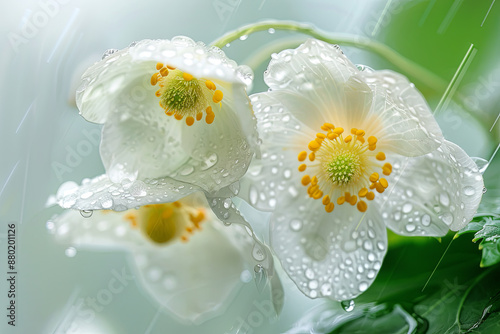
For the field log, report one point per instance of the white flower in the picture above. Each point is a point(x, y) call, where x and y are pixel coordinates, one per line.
point(183, 256)
point(175, 115)
point(346, 153)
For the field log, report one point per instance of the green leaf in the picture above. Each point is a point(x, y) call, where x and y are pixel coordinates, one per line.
point(487, 229)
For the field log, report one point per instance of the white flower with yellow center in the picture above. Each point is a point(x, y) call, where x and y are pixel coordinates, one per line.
point(346, 153)
point(176, 119)
point(183, 256)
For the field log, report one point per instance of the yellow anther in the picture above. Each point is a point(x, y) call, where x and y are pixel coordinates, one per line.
point(159, 65)
point(177, 204)
point(360, 133)
point(372, 186)
point(169, 113)
point(380, 156)
point(379, 188)
point(374, 177)
point(329, 207)
point(217, 96)
point(170, 67)
point(164, 72)
point(158, 93)
point(363, 192)
point(347, 196)
point(324, 128)
point(372, 140)
point(302, 156)
point(372, 147)
point(388, 165)
point(329, 125)
point(209, 110)
point(184, 238)
point(353, 131)
point(319, 140)
point(317, 194)
point(198, 218)
point(353, 200)
point(154, 79)
point(386, 171)
point(189, 120)
point(362, 206)
point(383, 182)
point(178, 116)
point(314, 180)
point(312, 189)
point(312, 156)
point(332, 135)
point(326, 200)
point(361, 139)
point(370, 196)
point(302, 167)
point(321, 135)
point(199, 116)
point(187, 76)
point(306, 179)
point(210, 118)
point(338, 130)
point(313, 145)
point(348, 139)
point(341, 200)
point(210, 85)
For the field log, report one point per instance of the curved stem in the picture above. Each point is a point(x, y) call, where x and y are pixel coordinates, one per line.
point(413, 69)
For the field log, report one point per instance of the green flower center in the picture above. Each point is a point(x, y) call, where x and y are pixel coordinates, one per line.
point(343, 167)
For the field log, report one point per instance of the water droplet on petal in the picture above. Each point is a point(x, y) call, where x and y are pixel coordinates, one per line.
point(295, 225)
point(70, 252)
point(447, 218)
point(244, 37)
point(363, 286)
point(444, 199)
point(469, 191)
point(426, 220)
point(407, 207)
point(347, 305)
point(484, 190)
point(410, 227)
point(86, 213)
point(271, 30)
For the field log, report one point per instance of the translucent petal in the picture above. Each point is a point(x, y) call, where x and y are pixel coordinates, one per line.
point(431, 194)
point(135, 147)
point(220, 153)
point(100, 193)
point(115, 77)
point(335, 255)
point(283, 137)
point(403, 122)
point(192, 280)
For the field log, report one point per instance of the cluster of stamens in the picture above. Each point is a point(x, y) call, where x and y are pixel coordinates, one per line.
point(343, 167)
point(182, 95)
point(163, 223)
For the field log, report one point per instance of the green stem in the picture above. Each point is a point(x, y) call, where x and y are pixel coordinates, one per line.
point(411, 68)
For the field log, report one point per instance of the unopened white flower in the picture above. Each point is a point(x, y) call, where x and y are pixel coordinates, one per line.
point(183, 256)
point(175, 115)
point(346, 153)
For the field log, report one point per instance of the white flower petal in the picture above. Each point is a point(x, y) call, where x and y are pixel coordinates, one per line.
point(335, 254)
point(192, 280)
point(220, 153)
point(133, 148)
point(195, 280)
point(404, 122)
point(283, 138)
point(100, 193)
point(431, 194)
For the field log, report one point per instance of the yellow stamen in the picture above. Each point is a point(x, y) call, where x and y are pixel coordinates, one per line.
point(362, 206)
point(363, 192)
point(187, 76)
point(348, 139)
point(329, 207)
point(210, 118)
point(360, 133)
point(170, 67)
point(353, 200)
point(372, 140)
point(338, 130)
point(379, 188)
point(380, 156)
point(314, 180)
point(302, 167)
point(306, 179)
point(384, 182)
point(374, 177)
point(353, 131)
point(217, 96)
point(210, 85)
point(302, 156)
point(370, 196)
point(199, 116)
point(312, 156)
point(326, 200)
point(178, 117)
point(164, 72)
point(341, 200)
point(313, 145)
point(159, 66)
point(154, 79)
point(189, 120)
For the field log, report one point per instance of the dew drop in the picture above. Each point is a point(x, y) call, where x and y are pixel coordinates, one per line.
point(309, 273)
point(447, 218)
point(254, 196)
point(86, 213)
point(271, 30)
point(258, 268)
point(484, 190)
point(106, 204)
point(227, 203)
point(407, 207)
point(244, 37)
point(469, 191)
point(86, 195)
point(70, 252)
point(257, 253)
point(363, 286)
point(295, 225)
point(481, 164)
point(444, 199)
point(426, 220)
point(410, 227)
point(347, 305)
